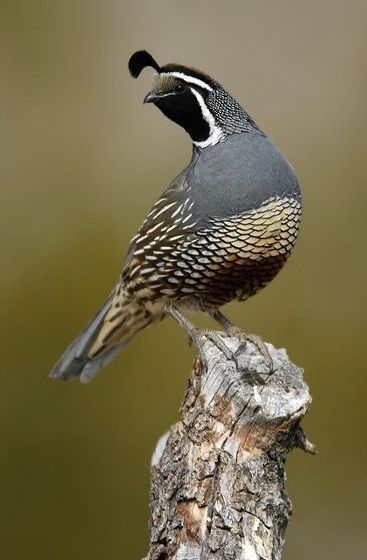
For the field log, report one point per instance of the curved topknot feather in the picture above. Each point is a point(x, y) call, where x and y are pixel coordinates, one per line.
point(139, 61)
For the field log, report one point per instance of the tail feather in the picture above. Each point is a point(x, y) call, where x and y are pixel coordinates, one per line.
point(76, 360)
point(93, 365)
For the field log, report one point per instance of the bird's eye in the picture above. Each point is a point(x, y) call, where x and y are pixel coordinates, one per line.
point(180, 88)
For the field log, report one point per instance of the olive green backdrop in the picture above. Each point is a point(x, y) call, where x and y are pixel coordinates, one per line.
point(81, 162)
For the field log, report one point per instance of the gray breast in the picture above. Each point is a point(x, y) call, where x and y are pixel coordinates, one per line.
point(238, 175)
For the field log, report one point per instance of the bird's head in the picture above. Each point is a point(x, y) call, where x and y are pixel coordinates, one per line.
point(193, 100)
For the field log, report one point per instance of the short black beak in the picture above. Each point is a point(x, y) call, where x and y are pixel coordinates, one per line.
point(150, 97)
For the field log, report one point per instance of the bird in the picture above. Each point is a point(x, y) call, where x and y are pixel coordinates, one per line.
point(220, 232)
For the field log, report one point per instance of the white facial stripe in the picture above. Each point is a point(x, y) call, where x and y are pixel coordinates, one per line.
point(188, 79)
point(215, 133)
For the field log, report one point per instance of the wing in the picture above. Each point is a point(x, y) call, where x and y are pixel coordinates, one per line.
point(167, 228)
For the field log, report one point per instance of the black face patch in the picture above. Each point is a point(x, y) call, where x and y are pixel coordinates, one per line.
point(183, 108)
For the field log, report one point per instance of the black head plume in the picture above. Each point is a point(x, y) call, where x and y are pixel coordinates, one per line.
point(139, 61)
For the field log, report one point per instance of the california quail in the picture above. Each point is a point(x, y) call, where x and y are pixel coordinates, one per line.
point(221, 231)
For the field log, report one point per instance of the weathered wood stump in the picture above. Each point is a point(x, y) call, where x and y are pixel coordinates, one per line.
point(218, 481)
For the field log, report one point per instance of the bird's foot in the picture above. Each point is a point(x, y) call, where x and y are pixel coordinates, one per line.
point(234, 331)
point(198, 337)
point(256, 341)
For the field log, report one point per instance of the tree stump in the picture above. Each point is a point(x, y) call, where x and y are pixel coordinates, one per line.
point(218, 481)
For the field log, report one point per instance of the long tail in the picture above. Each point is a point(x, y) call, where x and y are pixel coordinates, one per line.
point(110, 330)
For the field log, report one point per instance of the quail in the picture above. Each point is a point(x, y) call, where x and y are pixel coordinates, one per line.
point(220, 232)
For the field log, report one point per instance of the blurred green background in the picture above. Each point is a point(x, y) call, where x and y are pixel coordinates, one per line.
point(81, 162)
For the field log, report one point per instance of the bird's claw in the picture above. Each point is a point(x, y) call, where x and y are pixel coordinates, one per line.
point(244, 338)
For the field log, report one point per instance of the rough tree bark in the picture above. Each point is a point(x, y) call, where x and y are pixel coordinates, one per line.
point(218, 481)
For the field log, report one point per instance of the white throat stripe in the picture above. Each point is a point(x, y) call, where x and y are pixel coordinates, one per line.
point(188, 79)
point(215, 132)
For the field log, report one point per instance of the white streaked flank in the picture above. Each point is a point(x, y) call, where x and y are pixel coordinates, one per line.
point(176, 237)
point(188, 226)
point(177, 211)
point(164, 209)
point(140, 238)
point(135, 270)
point(150, 230)
point(186, 218)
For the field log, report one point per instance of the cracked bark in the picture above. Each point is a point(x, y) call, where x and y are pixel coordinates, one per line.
point(218, 481)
